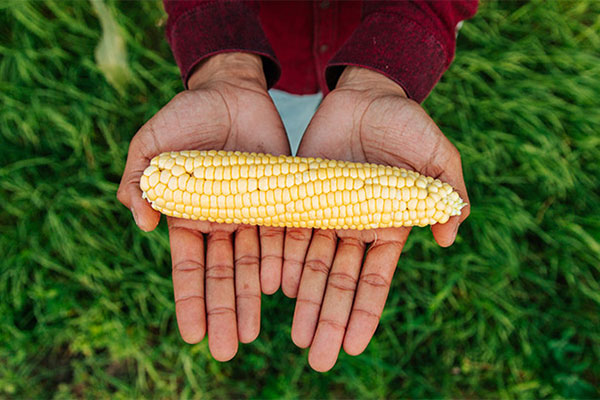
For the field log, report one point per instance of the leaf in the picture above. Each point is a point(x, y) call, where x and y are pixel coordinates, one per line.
point(111, 52)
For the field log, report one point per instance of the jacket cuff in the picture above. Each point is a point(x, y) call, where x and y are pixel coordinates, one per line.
point(400, 48)
point(219, 27)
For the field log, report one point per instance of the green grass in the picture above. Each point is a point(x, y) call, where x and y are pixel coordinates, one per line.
point(511, 310)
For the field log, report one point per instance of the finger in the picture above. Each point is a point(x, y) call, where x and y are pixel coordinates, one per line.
point(312, 286)
point(294, 253)
point(337, 304)
point(187, 255)
point(129, 192)
point(373, 288)
point(445, 234)
point(271, 248)
point(247, 283)
point(220, 296)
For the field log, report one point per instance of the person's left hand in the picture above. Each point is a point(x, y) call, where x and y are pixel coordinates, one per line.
point(367, 118)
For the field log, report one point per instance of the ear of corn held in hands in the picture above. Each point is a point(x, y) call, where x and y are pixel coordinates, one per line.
point(262, 189)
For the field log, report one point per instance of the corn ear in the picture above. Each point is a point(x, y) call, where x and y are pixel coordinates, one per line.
point(285, 191)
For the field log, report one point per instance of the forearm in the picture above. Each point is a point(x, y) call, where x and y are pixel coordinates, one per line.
point(241, 69)
point(197, 30)
point(412, 43)
point(359, 78)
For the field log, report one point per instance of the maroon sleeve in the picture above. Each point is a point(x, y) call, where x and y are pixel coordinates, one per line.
point(198, 29)
point(411, 42)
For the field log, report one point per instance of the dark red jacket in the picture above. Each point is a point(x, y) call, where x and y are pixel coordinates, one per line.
point(305, 45)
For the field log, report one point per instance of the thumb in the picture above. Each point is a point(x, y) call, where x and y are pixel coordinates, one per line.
point(130, 194)
point(445, 234)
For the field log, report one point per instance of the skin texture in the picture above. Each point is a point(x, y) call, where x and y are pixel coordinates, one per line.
point(218, 269)
point(340, 297)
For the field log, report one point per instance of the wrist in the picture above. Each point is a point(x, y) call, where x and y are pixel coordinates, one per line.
point(243, 69)
point(359, 78)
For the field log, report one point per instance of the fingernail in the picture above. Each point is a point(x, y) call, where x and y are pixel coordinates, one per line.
point(135, 217)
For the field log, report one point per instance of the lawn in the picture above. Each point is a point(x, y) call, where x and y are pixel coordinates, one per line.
point(511, 310)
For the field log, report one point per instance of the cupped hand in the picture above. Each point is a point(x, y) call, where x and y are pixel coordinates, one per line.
point(340, 297)
point(218, 269)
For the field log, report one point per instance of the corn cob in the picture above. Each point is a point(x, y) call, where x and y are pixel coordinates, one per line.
point(262, 189)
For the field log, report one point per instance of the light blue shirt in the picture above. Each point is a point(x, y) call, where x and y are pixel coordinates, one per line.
point(296, 111)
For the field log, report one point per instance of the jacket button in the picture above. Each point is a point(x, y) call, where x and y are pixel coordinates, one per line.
point(323, 48)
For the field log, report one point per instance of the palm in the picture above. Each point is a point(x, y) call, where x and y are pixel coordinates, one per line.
point(218, 281)
point(365, 127)
point(345, 138)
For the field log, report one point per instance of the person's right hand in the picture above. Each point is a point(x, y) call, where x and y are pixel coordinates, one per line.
point(227, 107)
